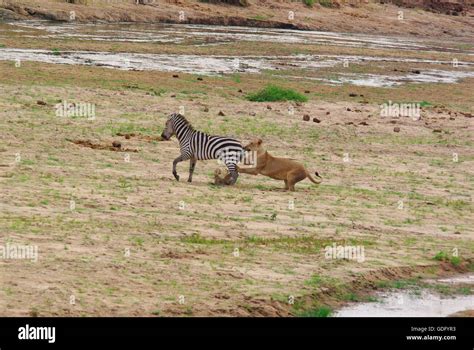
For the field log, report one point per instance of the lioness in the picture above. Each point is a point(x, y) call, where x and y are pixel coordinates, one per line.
point(276, 168)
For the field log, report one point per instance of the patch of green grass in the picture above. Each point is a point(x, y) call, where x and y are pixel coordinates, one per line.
point(322, 311)
point(236, 77)
point(455, 260)
point(259, 17)
point(325, 3)
point(441, 256)
point(309, 3)
point(56, 52)
point(272, 93)
point(425, 104)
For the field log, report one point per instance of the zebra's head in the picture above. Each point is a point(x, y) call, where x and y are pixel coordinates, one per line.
point(169, 129)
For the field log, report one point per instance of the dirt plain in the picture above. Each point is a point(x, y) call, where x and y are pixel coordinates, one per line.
point(139, 243)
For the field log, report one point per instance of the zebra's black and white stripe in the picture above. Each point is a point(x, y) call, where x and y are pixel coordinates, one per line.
point(196, 145)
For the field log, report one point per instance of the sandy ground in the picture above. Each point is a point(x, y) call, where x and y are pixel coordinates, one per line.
point(117, 235)
point(363, 18)
point(137, 241)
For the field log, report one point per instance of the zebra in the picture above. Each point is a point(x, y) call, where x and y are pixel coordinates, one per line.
point(196, 145)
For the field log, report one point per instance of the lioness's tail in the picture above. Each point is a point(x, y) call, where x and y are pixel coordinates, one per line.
point(312, 179)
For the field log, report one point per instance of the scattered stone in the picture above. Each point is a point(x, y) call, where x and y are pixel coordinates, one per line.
point(316, 120)
point(269, 107)
point(206, 109)
point(41, 103)
point(352, 94)
point(457, 233)
point(173, 95)
point(253, 114)
point(396, 129)
point(221, 114)
point(306, 117)
point(117, 144)
point(307, 91)
point(175, 76)
point(416, 71)
point(327, 113)
point(363, 123)
point(348, 109)
point(240, 90)
point(199, 78)
point(437, 130)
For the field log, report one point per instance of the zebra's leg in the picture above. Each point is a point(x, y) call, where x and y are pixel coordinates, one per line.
point(234, 174)
point(192, 165)
point(175, 162)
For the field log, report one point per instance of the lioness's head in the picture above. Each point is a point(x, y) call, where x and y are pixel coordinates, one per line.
point(254, 145)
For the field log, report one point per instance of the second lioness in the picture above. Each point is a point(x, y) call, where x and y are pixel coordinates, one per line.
point(284, 169)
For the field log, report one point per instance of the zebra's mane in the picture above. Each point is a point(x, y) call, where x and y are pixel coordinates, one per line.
point(186, 122)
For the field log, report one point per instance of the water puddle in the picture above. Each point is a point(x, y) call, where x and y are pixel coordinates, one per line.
point(413, 303)
point(216, 65)
point(205, 34)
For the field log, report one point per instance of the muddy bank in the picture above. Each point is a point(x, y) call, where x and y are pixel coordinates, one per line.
point(366, 18)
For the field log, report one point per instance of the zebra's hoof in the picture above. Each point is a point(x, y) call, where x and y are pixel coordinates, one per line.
point(190, 180)
point(176, 176)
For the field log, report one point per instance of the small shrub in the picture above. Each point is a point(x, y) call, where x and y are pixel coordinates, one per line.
point(273, 93)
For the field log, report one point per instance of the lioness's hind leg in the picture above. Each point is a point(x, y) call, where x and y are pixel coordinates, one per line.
point(293, 178)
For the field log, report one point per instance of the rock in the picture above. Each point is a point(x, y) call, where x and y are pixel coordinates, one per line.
point(316, 120)
point(306, 117)
point(437, 130)
point(396, 129)
point(327, 113)
point(307, 91)
point(199, 78)
point(206, 109)
point(173, 95)
point(363, 123)
point(352, 94)
point(253, 114)
point(117, 144)
point(416, 71)
point(221, 114)
point(348, 109)
point(240, 90)
point(175, 76)
point(41, 103)
point(269, 107)
point(457, 233)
